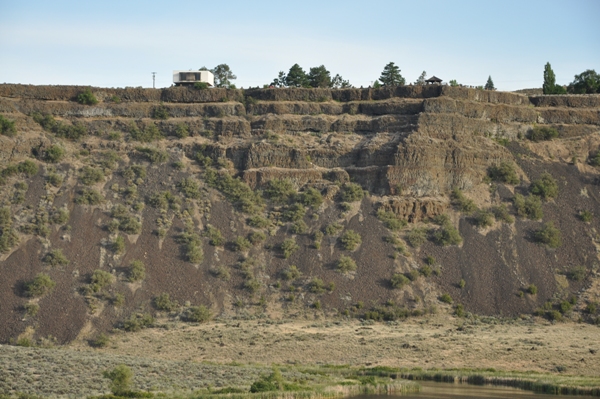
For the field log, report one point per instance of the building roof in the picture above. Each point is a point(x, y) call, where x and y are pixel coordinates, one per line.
point(434, 79)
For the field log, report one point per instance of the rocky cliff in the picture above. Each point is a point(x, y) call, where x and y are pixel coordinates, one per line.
point(290, 202)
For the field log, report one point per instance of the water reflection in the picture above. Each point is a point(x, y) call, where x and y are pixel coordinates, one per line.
point(441, 390)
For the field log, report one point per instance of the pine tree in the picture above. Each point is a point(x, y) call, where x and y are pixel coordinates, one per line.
point(319, 77)
point(391, 76)
point(490, 84)
point(296, 77)
point(421, 79)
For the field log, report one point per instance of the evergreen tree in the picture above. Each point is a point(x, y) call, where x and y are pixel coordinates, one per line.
point(319, 77)
point(391, 76)
point(296, 77)
point(421, 79)
point(280, 80)
point(549, 79)
point(339, 83)
point(490, 84)
point(453, 83)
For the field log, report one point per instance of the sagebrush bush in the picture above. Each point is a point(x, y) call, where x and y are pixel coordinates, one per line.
point(196, 314)
point(118, 245)
point(532, 289)
point(352, 192)
point(548, 235)
point(529, 207)
point(235, 190)
point(504, 172)
point(241, 244)
point(87, 97)
point(182, 131)
point(100, 279)
point(153, 155)
point(189, 187)
point(294, 213)
point(222, 273)
point(146, 134)
point(160, 112)
point(577, 273)
point(280, 190)
point(163, 302)
point(502, 214)
point(138, 321)
point(41, 285)
point(215, 238)
point(482, 218)
point(258, 222)
point(311, 197)
point(446, 298)
point(447, 235)
point(291, 273)
point(53, 153)
point(137, 271)
point(346, 264)
point(465, 204)
point(417, 237)
point(350, 240)
point(316, 286)
point(192, 246)
point(55, 258)
point(545, 187)
point(586, 216)
point(333, 229)
point(399, 280)
point(288, 247)
point(299, 227)
point(390, 220)
point(89, 196)
point(70, 132)
point(7, 127)
point(130, 225)
point(542, 133)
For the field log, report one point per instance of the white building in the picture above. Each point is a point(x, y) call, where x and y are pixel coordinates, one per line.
point(183, 78)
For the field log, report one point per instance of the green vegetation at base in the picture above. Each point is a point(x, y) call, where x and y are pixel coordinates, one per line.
point(545, 187)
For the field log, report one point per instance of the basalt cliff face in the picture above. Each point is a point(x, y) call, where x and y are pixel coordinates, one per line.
point(220, 192)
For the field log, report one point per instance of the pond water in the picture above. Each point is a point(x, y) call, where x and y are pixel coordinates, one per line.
point(441, 390)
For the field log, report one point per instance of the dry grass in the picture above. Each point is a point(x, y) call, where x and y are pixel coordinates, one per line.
point(438, 341)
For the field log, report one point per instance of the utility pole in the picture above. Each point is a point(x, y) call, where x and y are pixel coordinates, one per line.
point(153, 80)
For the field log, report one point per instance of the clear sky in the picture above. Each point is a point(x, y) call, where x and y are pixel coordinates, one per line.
point(113, 43)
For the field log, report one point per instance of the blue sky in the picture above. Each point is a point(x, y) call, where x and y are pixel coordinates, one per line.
point(119, 43)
